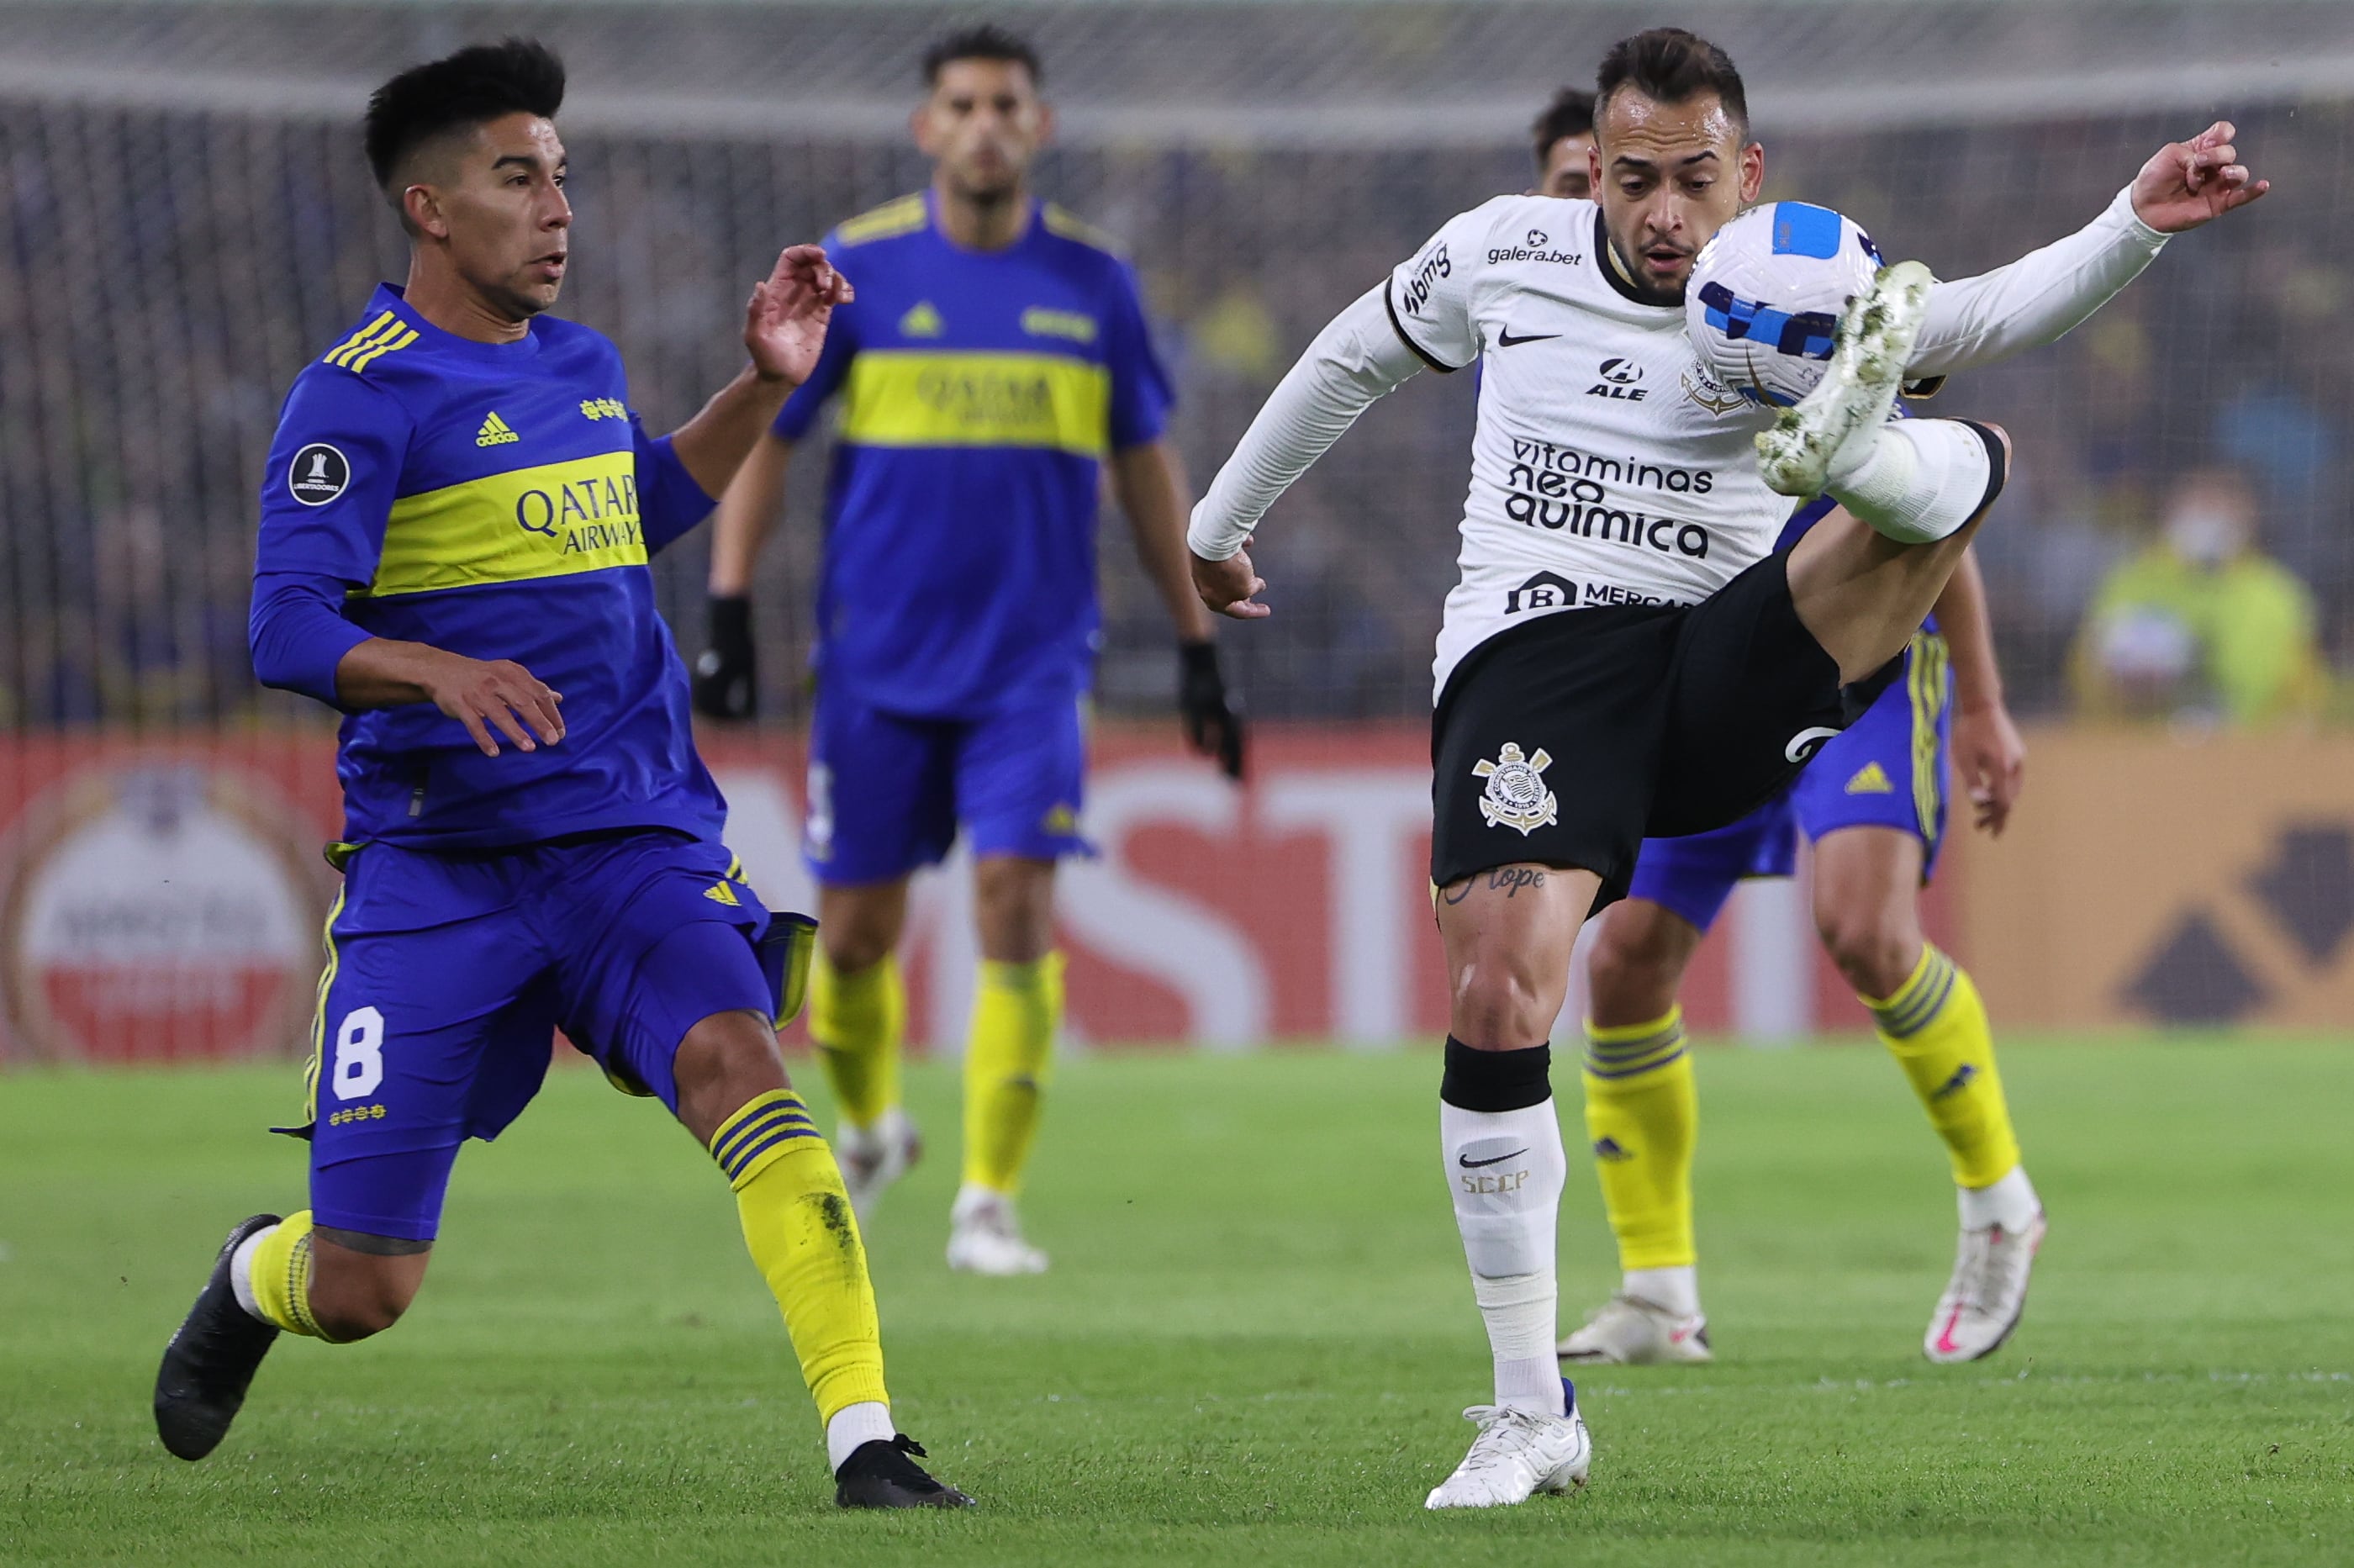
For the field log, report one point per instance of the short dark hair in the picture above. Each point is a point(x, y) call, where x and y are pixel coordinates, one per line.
point(471, 87)
point(1672, 65)
point(986, 42)
point(1570, 114)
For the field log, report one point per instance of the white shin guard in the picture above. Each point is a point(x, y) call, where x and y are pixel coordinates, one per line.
point(1506, 1171)
point(1917, 481)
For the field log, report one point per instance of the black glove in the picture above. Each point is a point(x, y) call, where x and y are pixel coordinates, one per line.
point(1214, 721)
point(724, 686)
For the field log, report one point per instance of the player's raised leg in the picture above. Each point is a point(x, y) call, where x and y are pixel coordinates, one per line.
point(1508, 933)
point(1642, 1117)
point(1929, 1015)
point(1016, 1008)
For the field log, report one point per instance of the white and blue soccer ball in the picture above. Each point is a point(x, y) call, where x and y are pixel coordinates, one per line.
point(1765, 296)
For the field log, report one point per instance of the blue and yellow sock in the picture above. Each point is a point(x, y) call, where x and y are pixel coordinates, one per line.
point(857, 1021)
point(1935, 1026)
point(1015, 1016)
point(805, 1241)
point(1642, 1111)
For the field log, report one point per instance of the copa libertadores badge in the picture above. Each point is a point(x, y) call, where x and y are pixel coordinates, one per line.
point(1516, 797)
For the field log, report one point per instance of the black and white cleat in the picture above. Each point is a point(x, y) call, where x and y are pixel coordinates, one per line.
point(210, 1362)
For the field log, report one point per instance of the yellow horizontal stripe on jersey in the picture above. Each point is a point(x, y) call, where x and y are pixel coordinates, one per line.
point(550, 521)
point(924, 399)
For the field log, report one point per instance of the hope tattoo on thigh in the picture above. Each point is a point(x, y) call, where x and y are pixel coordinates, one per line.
point(1509, 879)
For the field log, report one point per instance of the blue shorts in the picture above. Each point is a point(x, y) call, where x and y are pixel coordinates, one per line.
point(888, 792)
point(1887, 770)
point(448, 975)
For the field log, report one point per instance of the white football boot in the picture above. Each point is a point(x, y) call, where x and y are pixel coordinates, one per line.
point(872, 1158)
point(1988, 1294)
point(1517, 1455)
point(1628, 1331)
point(985, 1235)
point(1873, 343)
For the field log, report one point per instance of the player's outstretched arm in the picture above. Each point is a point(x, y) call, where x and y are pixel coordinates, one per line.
point(1352, 362)
point(2046, 294)
point(1989, 757)
point(784, 332)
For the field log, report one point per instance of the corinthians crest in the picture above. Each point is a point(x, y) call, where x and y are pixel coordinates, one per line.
point(1516, 795)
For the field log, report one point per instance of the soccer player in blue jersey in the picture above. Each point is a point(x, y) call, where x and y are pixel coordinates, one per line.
point(995, 364)
point(456, 520)
point(1872, 801)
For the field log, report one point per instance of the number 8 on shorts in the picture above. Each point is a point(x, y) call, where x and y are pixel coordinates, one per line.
point(360, 1054)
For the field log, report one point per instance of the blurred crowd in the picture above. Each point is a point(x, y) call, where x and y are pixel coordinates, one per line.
point(2174, 547)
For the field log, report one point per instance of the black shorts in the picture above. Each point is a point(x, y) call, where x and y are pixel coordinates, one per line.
point(1570, 740)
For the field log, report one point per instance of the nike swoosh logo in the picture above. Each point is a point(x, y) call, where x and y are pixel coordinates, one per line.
point(1807, 742)
point(1505, 339)
point(1469, 1163)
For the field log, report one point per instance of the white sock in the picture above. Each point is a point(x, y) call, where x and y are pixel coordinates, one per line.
point(1506, 1171)
point(2010, 1203)
point(241, 1272)
point(1915, 479)
point(1677, 1289)
point(853, 1426)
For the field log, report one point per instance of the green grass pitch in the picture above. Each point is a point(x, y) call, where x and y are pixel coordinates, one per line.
point(1252, 1347)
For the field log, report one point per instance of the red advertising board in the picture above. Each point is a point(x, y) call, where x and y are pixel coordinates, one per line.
point(160, 898)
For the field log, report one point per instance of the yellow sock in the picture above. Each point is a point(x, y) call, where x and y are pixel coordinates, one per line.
point(804, 1239)
point(280, 1276)
point(857, 1021)
point(1935, 1026)
point(1642, 1112)
point(1015, 1014)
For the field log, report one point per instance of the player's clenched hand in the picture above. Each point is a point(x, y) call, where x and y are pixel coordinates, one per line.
point(1991, 759)
point(785, 322)
point(1227, 585)
point(486, 694)
point(2186, 184)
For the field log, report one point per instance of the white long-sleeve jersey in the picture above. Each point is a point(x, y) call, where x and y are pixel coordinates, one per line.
point(1607, 467)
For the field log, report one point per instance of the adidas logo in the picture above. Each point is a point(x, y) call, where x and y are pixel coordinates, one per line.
point(1871, 780)
point(720, 893)
point(922, 321)
point(494, 432)
point(1958, 1082)
point(1607, 1148)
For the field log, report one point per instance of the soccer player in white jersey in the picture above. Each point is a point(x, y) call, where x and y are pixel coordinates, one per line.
point(1623, 653)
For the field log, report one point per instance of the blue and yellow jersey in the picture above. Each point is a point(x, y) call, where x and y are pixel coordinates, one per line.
point(497, 500)
point(979, 392)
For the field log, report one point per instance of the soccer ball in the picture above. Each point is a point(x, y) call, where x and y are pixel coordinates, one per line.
point(1765, 296)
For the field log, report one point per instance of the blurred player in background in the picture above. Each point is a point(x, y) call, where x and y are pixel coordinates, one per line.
point(456, 519)
point(996, 362)
point(1564, 135)
point(1872, 801)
